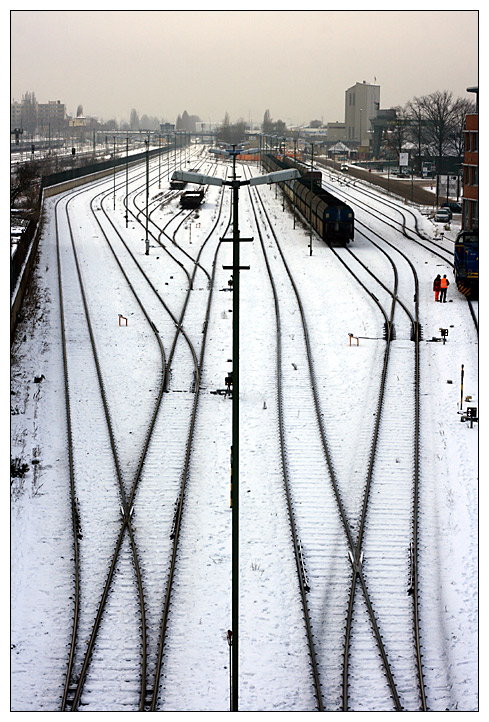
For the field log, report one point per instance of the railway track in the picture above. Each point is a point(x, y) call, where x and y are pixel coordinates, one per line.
point(443, 251)
point(78, 668)
point(81, 522)
point(357, 595)
point(353, 546)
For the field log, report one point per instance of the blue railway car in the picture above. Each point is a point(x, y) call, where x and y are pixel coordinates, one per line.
point(466, 258)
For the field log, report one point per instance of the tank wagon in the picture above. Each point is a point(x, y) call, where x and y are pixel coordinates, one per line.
point(466, 261)
point(331, 218)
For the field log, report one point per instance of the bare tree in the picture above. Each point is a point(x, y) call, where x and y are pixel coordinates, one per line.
point(23, 181)
point(232, 133)
point(463, 107)
point(134, 120)
point(29, 112)
point(417, 130)
point(399, 130)
point(440, 112)
point(273, 127)
point(267, 125)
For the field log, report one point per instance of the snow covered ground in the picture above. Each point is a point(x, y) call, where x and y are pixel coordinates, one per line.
point(274, 659)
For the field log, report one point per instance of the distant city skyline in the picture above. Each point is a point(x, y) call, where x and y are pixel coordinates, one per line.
point(298, 64)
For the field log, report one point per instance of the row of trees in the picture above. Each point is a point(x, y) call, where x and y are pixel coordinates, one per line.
point(187, 122)
point(432, 124)
point(234, 133)
point(273, 127)
point(150, 122)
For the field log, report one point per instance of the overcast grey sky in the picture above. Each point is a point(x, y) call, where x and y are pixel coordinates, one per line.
point(296, 63)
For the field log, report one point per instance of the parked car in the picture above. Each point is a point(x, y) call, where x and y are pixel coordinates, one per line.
point(343, 166)
point(443, 215)
point(454, 207)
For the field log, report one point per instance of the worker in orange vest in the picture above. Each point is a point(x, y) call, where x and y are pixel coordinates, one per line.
point(444, 283)
point(436, 286)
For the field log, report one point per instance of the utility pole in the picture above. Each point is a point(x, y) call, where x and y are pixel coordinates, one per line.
point(114, 172)
point(127, 178)
point(295, 166)
point(147, 195)
point(310, 216)
point(277, 177)
point(235, 441)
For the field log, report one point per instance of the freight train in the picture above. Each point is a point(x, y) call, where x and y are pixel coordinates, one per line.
point(466, 261)
point(331, 218)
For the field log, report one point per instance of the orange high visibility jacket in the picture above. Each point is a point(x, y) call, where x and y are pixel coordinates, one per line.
point(444, 283)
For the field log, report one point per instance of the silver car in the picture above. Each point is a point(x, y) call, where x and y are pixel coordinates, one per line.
point(443, 216)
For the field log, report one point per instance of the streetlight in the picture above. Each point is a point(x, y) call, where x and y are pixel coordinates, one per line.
point(360, 147)
point(147, 196)
point(127, 179)
point(310, 218)
point(114, 172)
point(235, 184)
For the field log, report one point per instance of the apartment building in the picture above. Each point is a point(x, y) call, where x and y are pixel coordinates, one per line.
point(33, 117)
point(470, 209)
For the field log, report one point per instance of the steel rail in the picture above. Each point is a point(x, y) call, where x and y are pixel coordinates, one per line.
point(416, 481)
point(326, 451)
point(185, 471)
point(126, 505)
point(285, 476)
point(126, 521)
point(75, 515)
point(416, 339)
point(449, 261)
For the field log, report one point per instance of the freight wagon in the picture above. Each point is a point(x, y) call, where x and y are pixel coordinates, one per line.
point(331, 218)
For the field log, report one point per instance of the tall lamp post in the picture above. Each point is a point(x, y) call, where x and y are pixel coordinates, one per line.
point(360, 146)
point(114, 172)
point(147, 196)
point(127, 178)
point(310, 218)
point(235, 184)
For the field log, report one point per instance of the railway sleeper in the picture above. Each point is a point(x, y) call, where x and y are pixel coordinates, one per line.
point(416, 327)
point(70, 695)
point(410, 589)
point(175, 518)
point(392, 331)
point(305, 581)
point(148, 699)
